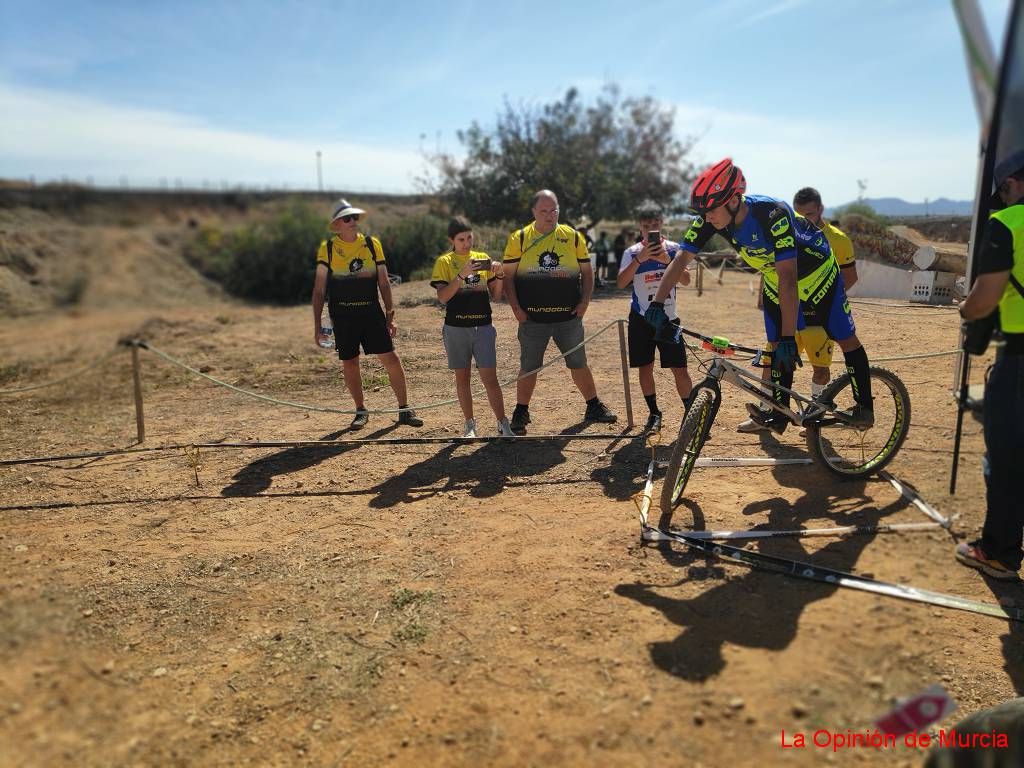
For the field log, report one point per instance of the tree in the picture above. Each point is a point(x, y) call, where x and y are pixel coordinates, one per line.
point(600, 159)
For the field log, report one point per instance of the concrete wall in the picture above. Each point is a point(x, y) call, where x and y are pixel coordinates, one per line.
point(880, 281)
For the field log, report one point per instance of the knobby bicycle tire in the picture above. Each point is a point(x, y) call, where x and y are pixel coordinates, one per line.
point(692, 433)
point(884, 385)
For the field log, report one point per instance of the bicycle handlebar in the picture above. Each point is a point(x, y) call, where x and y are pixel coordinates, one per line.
point(718, 344)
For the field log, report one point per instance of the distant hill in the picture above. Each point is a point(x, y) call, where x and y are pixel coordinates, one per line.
point(894, 206)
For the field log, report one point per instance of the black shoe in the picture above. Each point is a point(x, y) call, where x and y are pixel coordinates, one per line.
point(756, 411)
point(362, 416)
point(520, 418)
point(408, 417)
point(598, 411)
point(653, 423)
point(859, 417)
point(773, 420)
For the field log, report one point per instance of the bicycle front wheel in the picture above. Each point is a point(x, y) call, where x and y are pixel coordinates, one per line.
point(853, 453)
point(692, 433)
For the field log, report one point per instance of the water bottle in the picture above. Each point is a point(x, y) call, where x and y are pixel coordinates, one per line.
point(326, 332)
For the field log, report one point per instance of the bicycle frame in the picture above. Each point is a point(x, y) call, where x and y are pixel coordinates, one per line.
point(808, 410)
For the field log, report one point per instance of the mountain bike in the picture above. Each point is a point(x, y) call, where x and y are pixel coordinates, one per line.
point(833, 442)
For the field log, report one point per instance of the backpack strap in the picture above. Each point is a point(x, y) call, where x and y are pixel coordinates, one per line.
point(369, 246)
point(330, 251)
point(1017, 285)
point(522, 241)
point(576, 242)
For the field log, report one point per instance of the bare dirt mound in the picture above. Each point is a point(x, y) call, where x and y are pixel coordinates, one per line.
point(49, 261)
point(451, 605)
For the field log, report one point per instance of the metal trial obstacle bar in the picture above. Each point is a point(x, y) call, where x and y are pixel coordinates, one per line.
point(704, 542)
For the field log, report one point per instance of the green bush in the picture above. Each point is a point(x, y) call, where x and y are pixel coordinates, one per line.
point(274, 261)
point(270, 262)
point(414, 242)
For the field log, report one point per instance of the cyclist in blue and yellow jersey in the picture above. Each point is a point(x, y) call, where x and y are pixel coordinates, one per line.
point(549, 282)
point(813, 340)
point(801, 279)
point(350, 274)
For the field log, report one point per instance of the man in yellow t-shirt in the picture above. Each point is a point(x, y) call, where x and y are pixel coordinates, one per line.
point(549, 281)
point(350, 272)
point(813, 340)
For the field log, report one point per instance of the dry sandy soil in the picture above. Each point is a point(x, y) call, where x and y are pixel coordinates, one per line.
point(485, 604)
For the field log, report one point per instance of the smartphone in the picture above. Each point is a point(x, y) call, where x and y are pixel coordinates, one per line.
point(481, 264)
point(653, 237)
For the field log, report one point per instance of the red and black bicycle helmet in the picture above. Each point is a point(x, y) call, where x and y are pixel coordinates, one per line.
point(717, 185)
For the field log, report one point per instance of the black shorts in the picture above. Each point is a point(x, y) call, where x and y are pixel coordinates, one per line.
point(366, 329)
point(642, 344)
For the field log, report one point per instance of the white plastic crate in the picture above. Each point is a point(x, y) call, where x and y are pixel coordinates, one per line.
point(929, 287)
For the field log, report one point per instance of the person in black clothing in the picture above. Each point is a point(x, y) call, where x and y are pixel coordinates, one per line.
point(1000, 284)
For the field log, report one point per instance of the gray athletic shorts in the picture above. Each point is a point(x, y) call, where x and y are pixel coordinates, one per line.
point(534, 337)
point(464, 345)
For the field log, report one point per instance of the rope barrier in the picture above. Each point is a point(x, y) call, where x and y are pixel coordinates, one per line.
point(905, 305)
point(324, 409)
point(922, 356)
point(250, 444)
point(77, 372)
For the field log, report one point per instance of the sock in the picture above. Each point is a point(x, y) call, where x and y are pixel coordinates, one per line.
point(652, 403)
point(521, 407)
point(857, 367)
point(592, 402)
point(785, 380)
point(817, 389)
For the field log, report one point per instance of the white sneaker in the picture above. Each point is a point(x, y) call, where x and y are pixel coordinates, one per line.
point(505, 429)
point(470, 430)
point(751, 426)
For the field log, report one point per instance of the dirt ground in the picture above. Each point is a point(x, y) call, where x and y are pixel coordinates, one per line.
point(485, 604)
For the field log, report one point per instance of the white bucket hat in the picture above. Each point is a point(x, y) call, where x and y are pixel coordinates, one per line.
point(344, 208)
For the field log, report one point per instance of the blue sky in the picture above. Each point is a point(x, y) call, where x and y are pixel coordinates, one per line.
point(820, 92)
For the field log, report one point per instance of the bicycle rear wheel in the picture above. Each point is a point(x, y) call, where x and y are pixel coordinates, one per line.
point(851, 453)
point(692, 433)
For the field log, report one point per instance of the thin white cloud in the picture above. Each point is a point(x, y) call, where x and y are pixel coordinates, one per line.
point(50, 134)
point(781, 154)
point(772, 10)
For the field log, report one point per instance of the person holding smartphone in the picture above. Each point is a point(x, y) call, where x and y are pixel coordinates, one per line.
point(642, 266)
point(466, 281)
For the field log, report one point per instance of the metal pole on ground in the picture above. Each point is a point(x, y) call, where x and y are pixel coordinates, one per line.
point(140, 422)
point(625, 374)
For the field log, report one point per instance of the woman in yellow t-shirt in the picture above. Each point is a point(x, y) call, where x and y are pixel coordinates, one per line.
point(466, 281)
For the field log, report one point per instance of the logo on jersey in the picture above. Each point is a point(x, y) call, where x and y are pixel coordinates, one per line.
point(473, 279)
point(780, 226)
point(355, 265)
point(548, 261)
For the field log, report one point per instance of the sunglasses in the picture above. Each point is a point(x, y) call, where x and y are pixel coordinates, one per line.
point(351, 217)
